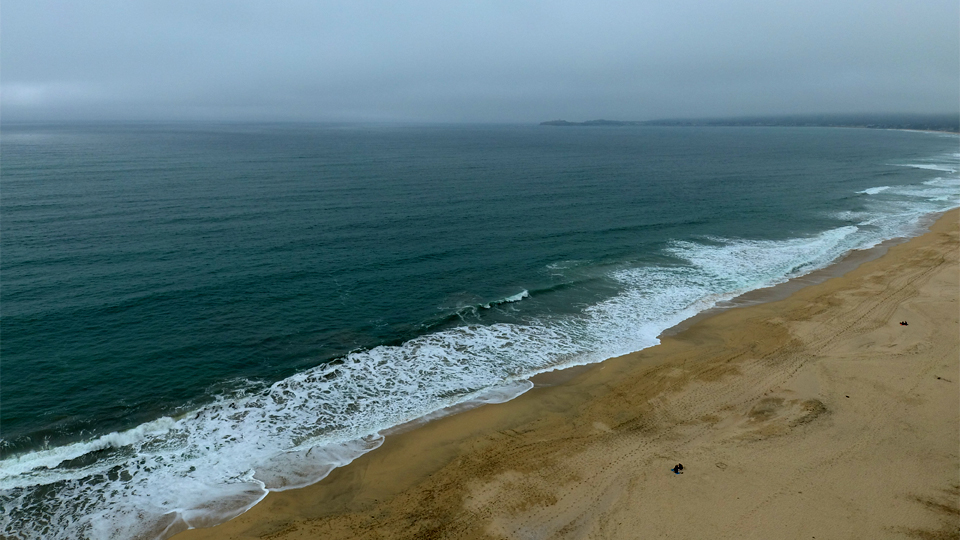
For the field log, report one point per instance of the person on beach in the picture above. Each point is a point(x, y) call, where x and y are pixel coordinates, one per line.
point(677, 469)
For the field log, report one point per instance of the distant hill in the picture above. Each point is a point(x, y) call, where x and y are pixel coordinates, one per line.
point(931, 122)
point(592, 123)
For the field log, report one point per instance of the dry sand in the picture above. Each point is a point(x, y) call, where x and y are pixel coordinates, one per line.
point(817, 416)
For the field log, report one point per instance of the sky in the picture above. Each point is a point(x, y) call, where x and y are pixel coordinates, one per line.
point(471, 61)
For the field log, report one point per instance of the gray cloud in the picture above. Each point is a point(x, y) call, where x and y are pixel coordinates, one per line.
point(494, 61)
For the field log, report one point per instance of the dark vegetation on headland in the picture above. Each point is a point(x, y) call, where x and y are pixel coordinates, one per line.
point(931, 122)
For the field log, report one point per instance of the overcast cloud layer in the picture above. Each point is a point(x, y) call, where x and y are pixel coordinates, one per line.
point(495, 61)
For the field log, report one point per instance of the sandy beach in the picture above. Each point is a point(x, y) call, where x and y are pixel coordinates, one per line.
point(815, 416)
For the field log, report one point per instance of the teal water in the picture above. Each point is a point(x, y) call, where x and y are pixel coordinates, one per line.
point(193, 315)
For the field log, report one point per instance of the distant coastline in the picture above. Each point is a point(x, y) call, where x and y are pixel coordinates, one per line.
point(949, 123)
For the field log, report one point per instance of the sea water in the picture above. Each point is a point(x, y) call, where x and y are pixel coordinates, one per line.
point(194, 315)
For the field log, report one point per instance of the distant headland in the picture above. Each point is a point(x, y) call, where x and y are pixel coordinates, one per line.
point(925, 122)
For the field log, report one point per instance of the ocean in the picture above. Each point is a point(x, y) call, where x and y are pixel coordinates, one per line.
point(196, 314)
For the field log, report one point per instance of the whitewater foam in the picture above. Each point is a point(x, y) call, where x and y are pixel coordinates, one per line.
point(930, 167)
point(874, 190)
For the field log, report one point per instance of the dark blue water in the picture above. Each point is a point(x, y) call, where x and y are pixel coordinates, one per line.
point(332, 281)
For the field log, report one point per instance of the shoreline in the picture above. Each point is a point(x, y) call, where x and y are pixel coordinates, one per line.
point(410, 464)
point(845, 264)
point(781, 291)
point(929, 131)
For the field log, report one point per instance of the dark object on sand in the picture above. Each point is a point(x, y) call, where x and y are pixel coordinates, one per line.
point(903, 323)
point(677, 469)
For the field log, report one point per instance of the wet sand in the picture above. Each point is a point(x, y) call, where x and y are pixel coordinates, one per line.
point(814, 416)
